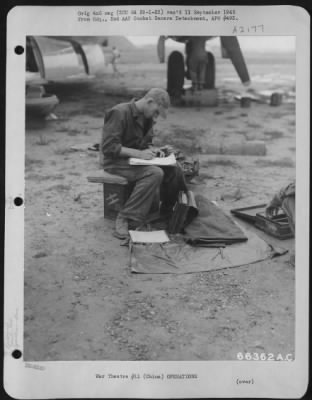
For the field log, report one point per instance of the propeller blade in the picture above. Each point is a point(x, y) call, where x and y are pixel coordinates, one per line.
point(233, 51)
point(161, 48)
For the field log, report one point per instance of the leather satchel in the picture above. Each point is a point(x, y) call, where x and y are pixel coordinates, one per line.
point(185, 210)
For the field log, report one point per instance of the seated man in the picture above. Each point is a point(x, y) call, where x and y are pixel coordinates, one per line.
point(128, 132)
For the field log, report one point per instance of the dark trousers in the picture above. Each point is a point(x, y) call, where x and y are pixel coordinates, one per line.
point(197, 68)
point(152, 185)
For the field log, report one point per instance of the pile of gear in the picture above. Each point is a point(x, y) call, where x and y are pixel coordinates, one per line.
point(189, 166)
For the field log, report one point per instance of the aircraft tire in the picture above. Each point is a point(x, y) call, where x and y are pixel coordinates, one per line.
point(210, 72)
point(175, 74)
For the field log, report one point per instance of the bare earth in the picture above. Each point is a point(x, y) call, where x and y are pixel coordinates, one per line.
point(81, 300)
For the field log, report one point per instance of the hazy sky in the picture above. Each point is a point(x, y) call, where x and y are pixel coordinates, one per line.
point(261, 43)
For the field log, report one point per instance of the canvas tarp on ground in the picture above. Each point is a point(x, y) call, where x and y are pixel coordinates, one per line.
point(181, 258)
point(211, 225)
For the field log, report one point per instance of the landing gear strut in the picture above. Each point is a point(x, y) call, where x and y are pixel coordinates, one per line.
point(210, 77)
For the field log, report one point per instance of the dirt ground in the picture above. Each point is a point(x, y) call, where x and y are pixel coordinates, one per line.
point(81, 300)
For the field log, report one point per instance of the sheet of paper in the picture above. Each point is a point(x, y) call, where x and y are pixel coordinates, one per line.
point(77, 322)
point(149, 237)
point(161, 161)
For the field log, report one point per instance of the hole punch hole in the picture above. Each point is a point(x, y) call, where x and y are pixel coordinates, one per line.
point(18, 201)
point(19, 50)
point(16, 354)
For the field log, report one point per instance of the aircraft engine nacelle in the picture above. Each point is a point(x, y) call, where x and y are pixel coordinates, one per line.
point(56, 59)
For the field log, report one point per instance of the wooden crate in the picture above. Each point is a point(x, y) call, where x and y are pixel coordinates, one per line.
point(203, 98)
point(116, 191)
point(115, 196)
point(277, 226)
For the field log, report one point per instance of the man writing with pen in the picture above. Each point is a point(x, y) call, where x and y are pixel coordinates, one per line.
point(128, 132)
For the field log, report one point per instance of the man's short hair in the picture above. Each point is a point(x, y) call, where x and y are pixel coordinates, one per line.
point(161, 97)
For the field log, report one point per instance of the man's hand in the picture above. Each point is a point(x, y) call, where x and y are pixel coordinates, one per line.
point(146, 154)
point(159, 153)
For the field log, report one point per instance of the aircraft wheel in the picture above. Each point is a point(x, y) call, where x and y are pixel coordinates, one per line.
point(175, 74)
point(210, 72)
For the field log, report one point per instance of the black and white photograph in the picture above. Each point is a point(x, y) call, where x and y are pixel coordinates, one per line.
point(160, 198)
point(197, 292)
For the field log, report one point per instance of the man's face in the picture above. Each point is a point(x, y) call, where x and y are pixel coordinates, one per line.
point(152, 110)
